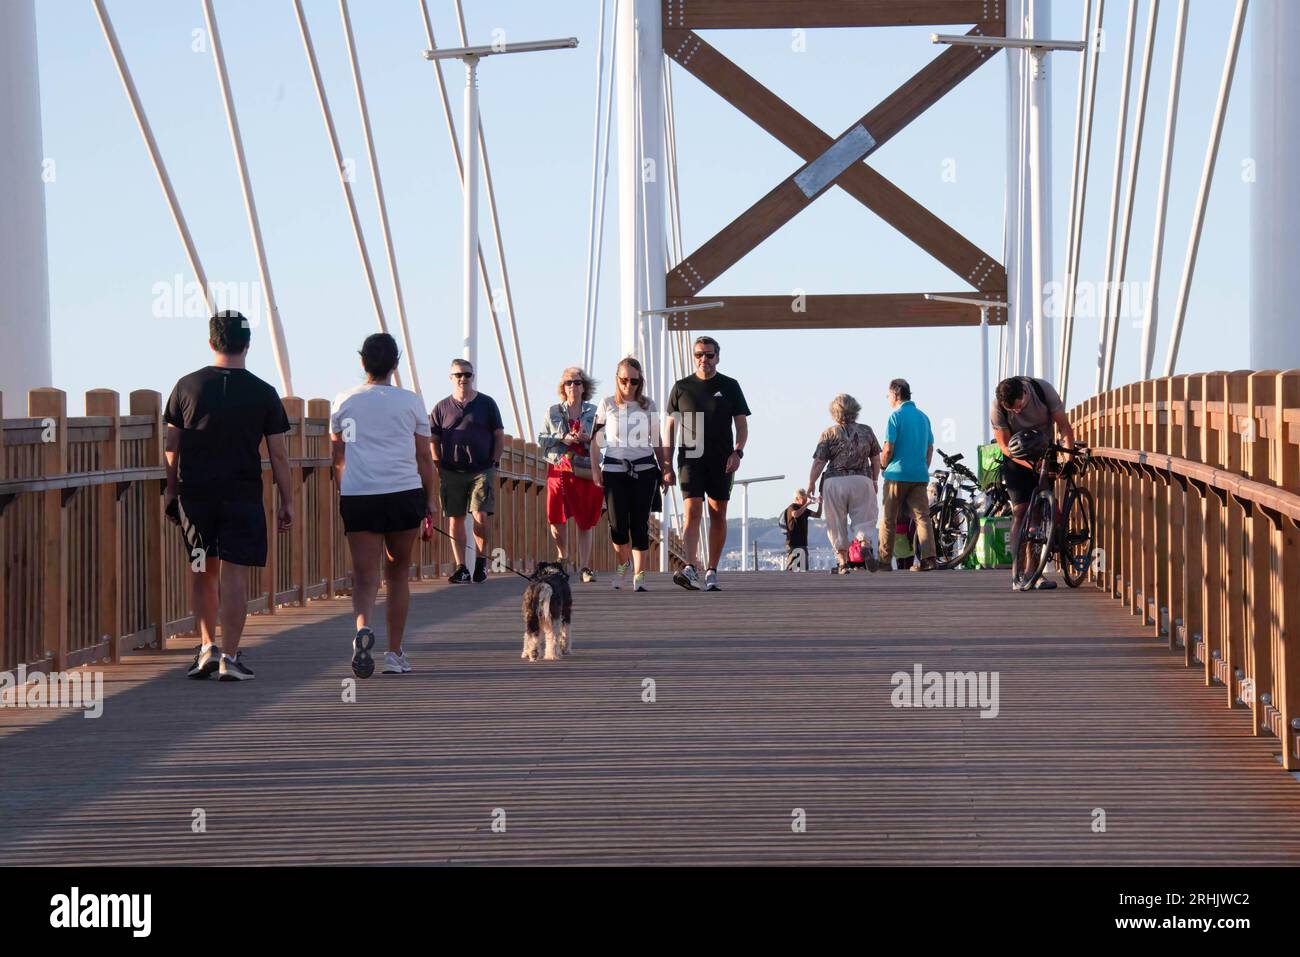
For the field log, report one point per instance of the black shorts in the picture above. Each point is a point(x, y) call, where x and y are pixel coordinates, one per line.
point(390, 512)
point(233, 530)
point(705, 476)
point(1020, 481)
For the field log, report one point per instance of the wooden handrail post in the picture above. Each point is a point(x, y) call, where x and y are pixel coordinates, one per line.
point(296, 441)
point(5, 631)
point(326, 506)
point(108, 528)
point(1212, 392)
point(1257, 462)
point(1189, 446)
point(1287, 585)
point(1236, 401)
point(51, 407)
point(147, 402)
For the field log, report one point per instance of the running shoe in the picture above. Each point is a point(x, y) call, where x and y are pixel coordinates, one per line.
point(363, 664)
point(234, 669)
point(873, 564)
point(638, 580)
point(1045, 584)
point(588, 576)
point(620, 576)
point(460, 576)
point(396, 664)
point(711, 580)
point(480, 570)
point(1016, 584)
point(207, 659)
point(687, 578)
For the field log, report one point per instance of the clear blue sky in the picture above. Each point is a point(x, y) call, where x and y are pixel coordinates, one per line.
point(111, 239)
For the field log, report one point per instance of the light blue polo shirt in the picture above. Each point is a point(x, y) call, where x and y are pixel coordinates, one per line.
point(909, 433)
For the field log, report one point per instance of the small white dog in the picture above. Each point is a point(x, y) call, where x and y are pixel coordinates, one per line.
point(547, 607)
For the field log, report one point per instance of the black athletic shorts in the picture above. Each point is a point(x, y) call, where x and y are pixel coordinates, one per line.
point(233, 530)
point(390, 512)
point(705, 476)
point(1020, 481)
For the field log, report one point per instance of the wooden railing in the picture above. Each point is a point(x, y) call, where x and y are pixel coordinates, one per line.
point(1198, 498)
point(91, 569)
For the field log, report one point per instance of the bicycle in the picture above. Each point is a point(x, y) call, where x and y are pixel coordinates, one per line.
point(953, 517)
point(1064, 530)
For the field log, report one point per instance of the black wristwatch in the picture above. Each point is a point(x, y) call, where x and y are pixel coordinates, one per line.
point(740, 452)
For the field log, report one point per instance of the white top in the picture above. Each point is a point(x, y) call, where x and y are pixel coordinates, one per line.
point(379, 424)
point(631, 432)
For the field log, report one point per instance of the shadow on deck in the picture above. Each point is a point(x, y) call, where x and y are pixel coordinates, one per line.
point(771, 696)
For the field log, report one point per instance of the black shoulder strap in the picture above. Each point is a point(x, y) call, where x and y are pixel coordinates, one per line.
point(1038, 389)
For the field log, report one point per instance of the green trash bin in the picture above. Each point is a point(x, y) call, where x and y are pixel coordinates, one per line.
point(990, 457)
point(993, 549)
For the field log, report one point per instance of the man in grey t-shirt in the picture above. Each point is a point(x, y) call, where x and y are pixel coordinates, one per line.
point(1022, 403)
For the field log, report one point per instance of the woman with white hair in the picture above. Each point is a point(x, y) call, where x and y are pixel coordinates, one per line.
point(847, 459)
point(565, 442)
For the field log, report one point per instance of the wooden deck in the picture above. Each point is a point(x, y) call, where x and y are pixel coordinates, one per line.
point(771, 695)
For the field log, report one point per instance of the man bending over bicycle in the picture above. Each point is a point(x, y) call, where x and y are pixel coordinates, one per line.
point(1025, 405)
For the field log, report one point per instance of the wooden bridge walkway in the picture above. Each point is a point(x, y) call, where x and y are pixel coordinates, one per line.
point(771, 696)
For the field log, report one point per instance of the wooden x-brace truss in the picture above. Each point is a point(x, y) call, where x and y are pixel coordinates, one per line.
point(830, 162)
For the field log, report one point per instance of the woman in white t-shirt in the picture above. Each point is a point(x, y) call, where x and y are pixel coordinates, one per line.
point(631, 466)
point(379, 437)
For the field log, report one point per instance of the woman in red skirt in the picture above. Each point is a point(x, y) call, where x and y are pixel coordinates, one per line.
point(565, 440)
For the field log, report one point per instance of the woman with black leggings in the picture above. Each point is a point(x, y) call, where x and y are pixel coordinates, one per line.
point(627, 439)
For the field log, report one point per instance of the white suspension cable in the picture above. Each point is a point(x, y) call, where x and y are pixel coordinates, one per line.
point(482, 262)
point(589, 350)
point(1150, 318)
point(1078, 191)
point(348, 198)
point(500, 246)
point(1207, 178)
point(595, 173)
point(155, 156)
point(279, 348)
point(407, 346)
point(1112, 224)
point(1114, 298)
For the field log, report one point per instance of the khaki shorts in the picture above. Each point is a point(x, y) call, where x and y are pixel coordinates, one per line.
point(467, 492)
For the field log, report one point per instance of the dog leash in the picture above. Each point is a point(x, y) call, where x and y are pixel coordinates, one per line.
point(447, 535)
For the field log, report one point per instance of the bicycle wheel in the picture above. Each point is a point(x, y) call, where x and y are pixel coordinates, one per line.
point(1038, 535)
point(955, 528)
point(1076, 537)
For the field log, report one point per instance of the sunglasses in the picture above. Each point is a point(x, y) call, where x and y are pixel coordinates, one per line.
point(627, 381)
point(573, 382)
point(705, 355)
point(462, 375)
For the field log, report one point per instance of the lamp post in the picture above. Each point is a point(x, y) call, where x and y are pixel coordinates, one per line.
point(744, 514)
point(471, 56)
point(1038, 50)
point(984, 305)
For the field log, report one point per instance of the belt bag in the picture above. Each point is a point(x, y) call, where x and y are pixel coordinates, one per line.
point(630, 466)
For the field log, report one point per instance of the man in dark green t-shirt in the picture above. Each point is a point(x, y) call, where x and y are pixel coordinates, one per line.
point(705, 407)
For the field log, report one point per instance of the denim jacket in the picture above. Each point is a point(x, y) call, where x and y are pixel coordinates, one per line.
point(551, 439)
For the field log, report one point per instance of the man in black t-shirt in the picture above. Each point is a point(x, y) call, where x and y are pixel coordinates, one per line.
point(705, 406)
point(216, 420)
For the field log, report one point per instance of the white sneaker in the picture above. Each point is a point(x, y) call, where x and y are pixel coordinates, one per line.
point(620, 576)
point(711, 580)
point(396, 664)
point(687, 578)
